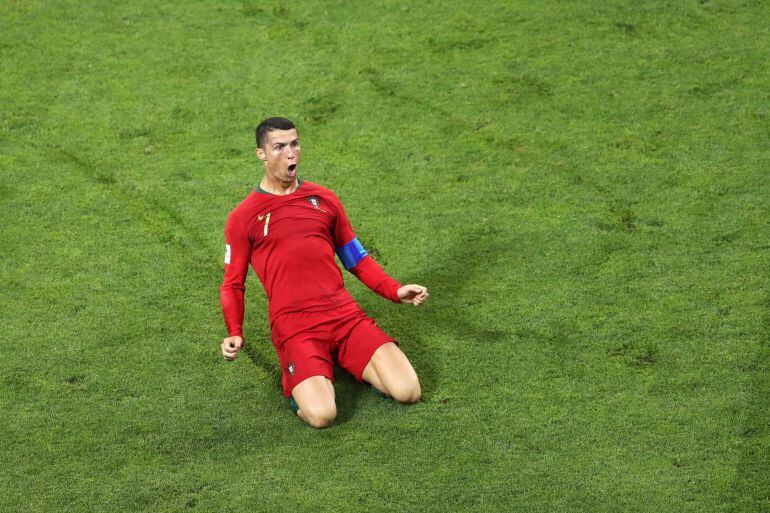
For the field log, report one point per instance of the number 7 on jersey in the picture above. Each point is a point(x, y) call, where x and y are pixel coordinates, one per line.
point(266, 217)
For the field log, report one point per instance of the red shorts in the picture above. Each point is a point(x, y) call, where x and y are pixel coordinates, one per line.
point(310, 343)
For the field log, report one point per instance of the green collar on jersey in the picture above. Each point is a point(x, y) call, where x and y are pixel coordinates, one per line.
point(263, 191)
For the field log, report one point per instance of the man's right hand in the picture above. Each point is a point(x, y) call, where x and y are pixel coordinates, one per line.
point(230, 347)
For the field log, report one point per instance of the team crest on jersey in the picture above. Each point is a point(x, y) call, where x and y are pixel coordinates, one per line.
point(290, 368)
point(315, 201)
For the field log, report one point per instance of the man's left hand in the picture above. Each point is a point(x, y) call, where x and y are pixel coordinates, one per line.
point(414, 294)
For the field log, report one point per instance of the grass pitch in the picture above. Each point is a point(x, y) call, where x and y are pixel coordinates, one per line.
point(583, 186)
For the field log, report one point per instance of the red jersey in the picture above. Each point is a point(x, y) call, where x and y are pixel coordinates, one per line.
point(290, 242)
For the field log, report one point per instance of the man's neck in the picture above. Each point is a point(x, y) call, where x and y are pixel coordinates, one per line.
point(278, 188)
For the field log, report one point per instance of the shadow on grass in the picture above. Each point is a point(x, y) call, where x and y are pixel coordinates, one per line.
point(447, 279)
point(269, 365)
point(467, 255)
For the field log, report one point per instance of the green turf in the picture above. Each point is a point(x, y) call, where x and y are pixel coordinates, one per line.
point(583, 186)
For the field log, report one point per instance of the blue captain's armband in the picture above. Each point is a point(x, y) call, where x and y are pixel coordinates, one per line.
point(351, 253)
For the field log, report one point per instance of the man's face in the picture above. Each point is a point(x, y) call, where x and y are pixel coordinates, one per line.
point(281, 155)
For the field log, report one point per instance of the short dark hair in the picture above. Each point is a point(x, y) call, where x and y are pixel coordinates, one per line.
point(269, 125)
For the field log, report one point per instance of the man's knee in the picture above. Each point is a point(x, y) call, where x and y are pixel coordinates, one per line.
point(406, 391)
point(319, 415)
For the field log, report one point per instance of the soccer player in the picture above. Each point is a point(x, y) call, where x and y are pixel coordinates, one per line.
point(289, 230)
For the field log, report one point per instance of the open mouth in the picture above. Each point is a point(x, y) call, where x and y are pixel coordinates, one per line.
point(292, 169)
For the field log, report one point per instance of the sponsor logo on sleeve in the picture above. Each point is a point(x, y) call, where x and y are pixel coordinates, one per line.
point(227, 253)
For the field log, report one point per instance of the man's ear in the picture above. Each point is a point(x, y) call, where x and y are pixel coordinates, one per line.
point(261, 155)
